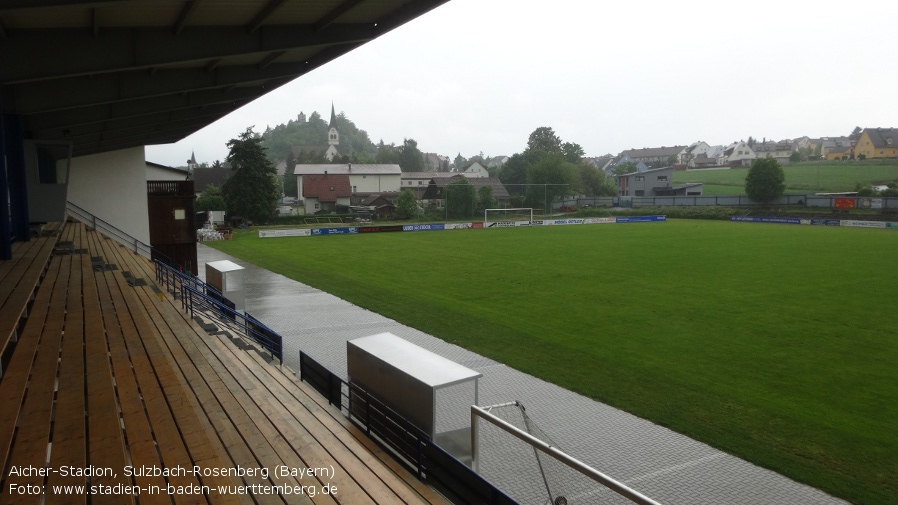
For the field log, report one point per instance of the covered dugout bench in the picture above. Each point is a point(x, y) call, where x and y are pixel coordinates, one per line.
point(432, 392)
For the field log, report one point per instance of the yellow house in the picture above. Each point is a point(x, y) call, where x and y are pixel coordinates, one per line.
point(841, 153)
point(877, 143)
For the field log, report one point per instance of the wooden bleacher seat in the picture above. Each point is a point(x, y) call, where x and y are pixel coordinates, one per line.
point(108, 374)
point(19, 278)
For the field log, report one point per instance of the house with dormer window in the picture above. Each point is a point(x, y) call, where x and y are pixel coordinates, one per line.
point(877, 143)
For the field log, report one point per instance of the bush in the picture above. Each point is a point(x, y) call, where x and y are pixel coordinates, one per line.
point(765, 180)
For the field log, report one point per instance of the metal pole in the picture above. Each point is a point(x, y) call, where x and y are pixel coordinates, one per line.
point(583, 468)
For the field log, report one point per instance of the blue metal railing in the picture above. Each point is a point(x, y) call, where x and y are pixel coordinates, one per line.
point(411, 447)
point(172, 279)
point(196, 295)
point(216, 309)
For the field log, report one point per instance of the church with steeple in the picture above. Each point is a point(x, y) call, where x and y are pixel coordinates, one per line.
point(332, 149)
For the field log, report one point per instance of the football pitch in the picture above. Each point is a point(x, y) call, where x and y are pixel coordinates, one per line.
point(775, 343)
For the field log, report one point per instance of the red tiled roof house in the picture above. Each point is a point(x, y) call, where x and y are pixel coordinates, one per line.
point(325, 192)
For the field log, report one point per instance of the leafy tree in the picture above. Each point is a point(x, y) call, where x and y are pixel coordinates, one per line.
point(572, 152)
point(387, 154)
point(627, 167)
point(485, 199)
point(211, 199)
point(751, 141)
point(252, 192)
point(594, 183)
point(352, 138)
point(290, 187)
point(411, 159)
point(406, 205)
point(557, 177)
point(856, 133)
point(672, 159)
point(764, 182)
point(461, 201)
point(795, 157)
point(544, 139)
point(513, 173)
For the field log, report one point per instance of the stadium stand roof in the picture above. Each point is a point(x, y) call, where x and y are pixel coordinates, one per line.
point(113, 74)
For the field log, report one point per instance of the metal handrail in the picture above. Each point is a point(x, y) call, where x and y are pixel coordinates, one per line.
point(111, 230)
point(597, 476)
point(407, 443)
point(193, 300)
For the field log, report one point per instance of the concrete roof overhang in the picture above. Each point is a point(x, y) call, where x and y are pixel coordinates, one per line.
point(112, 74)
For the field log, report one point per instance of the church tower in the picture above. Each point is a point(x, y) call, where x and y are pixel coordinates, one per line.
point(333, 136)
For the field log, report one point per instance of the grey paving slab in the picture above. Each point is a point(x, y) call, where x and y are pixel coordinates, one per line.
point(654, 460)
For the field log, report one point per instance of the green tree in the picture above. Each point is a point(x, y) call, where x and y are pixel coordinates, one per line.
point(211, 199)
point(290, 186)
point(513, 173)
point(544, 139)
point(764, 182)
point(485, 199)
point(856, 133)
point(406, 205)
point(627, 167)
point(572, 152)
point(461, 199)
point(387, 154)
point(252, 192)
point(672, 160)
point(411, 159)
point(594, 183)
point(549, 178)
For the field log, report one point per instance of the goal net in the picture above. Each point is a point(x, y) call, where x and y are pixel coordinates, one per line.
point(507, 217)
point(515, 454)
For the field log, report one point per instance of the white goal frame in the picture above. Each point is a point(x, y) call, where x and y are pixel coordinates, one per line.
point(522, 210)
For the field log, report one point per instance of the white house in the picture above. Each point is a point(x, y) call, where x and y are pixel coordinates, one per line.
point(738, 154)
point(323, 193)
point(476, 168)
point(688, 154)
point(364, 179)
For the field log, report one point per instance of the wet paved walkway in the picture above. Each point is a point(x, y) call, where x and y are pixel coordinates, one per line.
point(662, 464)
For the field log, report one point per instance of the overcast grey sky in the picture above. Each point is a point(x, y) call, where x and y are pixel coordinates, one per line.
point(481, 75)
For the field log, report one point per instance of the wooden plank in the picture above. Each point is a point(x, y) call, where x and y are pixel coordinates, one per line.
point(18, 288)
point(274, 419)
point(106, 440)
point(13, 385)
point(29, 447)
point(392, 480)
point(139, 336)
point(219, 407)
point(307, 450)
point(212, 453)
point(69, 448)
point(142, 405)
point(168, 439)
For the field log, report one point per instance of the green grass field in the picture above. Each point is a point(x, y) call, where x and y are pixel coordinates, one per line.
point(802, 178)
point(775, 343)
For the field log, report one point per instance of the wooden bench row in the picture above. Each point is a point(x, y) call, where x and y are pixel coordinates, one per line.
point(108, 375)
point(266, 418)
point(82, 395)
point(19, 278)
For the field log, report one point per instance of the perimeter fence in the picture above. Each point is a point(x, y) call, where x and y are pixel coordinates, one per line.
point(807, 200)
